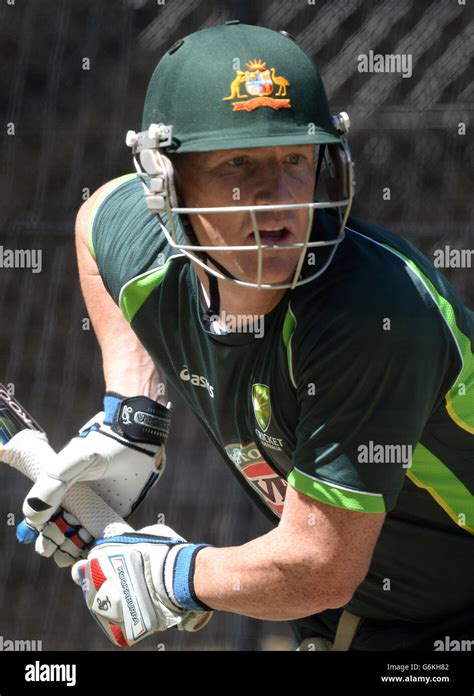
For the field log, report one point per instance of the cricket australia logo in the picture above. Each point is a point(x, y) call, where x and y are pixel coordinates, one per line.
point(261, 405)
point(263, 415)
point(260, 82)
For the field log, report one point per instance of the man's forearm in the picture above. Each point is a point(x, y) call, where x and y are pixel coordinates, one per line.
point(265, 579)
point(128, 369)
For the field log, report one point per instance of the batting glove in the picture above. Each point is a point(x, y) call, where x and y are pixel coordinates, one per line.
point(120, 452)
point(137, 584)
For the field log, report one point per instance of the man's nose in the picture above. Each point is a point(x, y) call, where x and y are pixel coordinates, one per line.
point(271, 186)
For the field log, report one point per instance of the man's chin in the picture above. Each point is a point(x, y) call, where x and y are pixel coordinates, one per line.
point(274, 273)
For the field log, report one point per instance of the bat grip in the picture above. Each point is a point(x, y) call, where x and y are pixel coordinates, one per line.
point(29, 452)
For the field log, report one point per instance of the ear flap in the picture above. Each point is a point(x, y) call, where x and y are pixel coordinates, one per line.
point(338, 171)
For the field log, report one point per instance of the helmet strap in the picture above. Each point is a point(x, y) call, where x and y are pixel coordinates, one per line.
point(321, 152)
point(214, 295)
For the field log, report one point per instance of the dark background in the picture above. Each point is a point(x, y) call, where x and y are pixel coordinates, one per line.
point(69, 136)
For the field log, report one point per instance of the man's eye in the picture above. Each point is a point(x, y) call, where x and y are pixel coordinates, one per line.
point(237, 161)
point(294, 158)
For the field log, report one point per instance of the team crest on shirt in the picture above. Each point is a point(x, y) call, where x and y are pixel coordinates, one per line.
point(270, 486)
point(263, 414)
point(261, 405)
point(259, 83)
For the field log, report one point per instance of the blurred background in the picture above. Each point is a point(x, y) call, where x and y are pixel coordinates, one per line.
point(62, 135)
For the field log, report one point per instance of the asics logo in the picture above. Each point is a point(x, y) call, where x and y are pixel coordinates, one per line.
point(196, 380)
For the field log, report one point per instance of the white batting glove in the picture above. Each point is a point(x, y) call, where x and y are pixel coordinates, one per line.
point(139, 583)
point(120, 452)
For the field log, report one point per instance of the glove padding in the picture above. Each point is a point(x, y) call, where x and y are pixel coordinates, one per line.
point(119, 470)
point(62, 538)
point(137, 584)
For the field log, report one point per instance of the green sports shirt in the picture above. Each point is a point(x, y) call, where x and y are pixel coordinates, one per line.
point(357, 390)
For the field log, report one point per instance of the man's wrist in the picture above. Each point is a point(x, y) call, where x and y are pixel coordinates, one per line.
point(178, 577)
point(134, 381)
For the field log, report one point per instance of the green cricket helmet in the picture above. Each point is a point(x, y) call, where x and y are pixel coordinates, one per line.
point(239, 86)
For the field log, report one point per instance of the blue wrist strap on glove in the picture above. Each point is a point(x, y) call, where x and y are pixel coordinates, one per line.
point(183, 578)
point(111, 404)
point(182, 592)
point(137, 418)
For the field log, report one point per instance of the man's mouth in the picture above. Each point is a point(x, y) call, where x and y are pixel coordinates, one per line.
point(281, 235)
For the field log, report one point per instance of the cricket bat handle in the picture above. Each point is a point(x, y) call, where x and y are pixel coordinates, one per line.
point(29, 452)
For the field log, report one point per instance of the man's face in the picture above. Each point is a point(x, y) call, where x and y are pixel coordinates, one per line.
point(253, 176)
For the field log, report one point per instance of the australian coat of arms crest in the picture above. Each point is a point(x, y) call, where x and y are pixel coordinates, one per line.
point(260, 82)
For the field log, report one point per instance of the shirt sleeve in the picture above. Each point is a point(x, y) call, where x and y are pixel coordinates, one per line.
point(124, 236)
point(366, 384)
